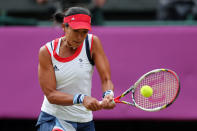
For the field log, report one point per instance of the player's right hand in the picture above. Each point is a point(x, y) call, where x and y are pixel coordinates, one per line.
point(108, 102)
point(92, 103)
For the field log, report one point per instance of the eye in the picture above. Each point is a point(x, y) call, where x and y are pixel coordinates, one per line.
point(76, 31)
point(85, 32)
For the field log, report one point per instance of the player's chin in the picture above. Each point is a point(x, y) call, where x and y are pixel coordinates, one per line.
point(76, 46)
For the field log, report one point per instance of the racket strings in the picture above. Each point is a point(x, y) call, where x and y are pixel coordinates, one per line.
point(164, 85)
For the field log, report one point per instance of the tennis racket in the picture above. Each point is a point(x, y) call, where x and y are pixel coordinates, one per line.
point(165, 85)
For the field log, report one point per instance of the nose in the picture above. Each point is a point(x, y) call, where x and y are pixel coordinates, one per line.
point(80, 36)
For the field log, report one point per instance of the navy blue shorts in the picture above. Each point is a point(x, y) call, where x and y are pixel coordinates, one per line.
point(48, 122)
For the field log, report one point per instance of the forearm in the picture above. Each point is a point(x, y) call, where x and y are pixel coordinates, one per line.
point(60, 98)
point(65, 99)
point(102, 65)
point(107, 85)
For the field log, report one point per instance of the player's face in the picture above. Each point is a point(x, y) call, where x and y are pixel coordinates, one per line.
point(75, 37)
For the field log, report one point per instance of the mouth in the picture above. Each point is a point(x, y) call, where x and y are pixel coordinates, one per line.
point(76, 42)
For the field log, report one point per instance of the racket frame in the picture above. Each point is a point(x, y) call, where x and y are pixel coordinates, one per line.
point(132, 89)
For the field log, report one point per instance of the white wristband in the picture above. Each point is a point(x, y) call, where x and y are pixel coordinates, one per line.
point(108, 92)
point(78, 98)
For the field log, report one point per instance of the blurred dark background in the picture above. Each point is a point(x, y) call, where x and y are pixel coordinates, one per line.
point(105, 12)
point(105, 125)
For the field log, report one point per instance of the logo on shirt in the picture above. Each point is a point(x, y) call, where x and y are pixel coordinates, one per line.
point(55, 68)
point(80, 60)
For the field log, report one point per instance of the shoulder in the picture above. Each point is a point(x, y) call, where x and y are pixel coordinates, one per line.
point(48, 48)
point(43, 51)
point(96, 41)
point(44, 54)
point(95, 38)
point(97, 47)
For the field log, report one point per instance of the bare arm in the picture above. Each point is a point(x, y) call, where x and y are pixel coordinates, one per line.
point(102, 65)
point(47, 80)
point(103, 68)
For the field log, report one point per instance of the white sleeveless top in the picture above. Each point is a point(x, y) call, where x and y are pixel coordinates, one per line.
point(73, 76)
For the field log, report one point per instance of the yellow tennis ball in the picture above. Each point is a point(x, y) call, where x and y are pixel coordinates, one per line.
point(146, 91)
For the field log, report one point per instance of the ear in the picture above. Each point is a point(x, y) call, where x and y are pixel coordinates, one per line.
point(63, 27)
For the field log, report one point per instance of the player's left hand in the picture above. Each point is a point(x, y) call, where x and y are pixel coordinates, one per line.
point(107, 102)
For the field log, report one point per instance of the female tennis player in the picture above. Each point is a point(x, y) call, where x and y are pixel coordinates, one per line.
point(65, 73)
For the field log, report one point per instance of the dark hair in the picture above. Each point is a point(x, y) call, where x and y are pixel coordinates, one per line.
point(59, 17)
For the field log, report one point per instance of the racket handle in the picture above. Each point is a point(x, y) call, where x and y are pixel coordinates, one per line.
point(116, 100)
